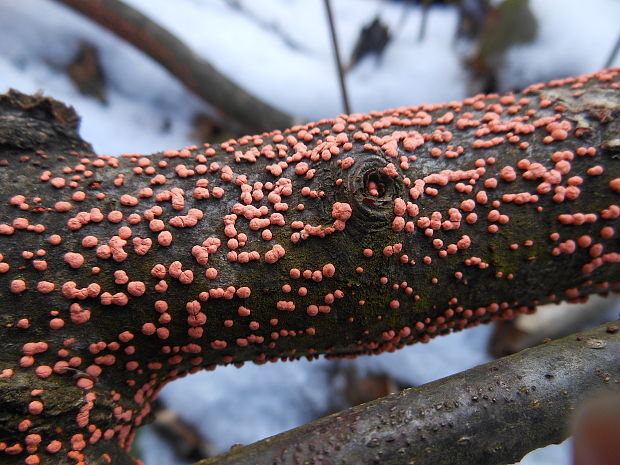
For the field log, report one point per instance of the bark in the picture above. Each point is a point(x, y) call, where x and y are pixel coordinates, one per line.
point(492, 414)
point(344, 237)
point(197, 74)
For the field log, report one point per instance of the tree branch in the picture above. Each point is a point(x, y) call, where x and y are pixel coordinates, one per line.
point(492, 414)
point(198, 75)
point(349, 236)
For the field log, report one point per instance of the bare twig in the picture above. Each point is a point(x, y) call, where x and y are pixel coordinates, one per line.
point(492, 414)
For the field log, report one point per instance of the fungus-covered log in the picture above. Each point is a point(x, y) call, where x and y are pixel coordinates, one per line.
point(492, 414)
point(348, 236)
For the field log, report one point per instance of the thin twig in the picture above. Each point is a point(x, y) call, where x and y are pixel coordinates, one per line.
point(493, 414)
point(343, 86)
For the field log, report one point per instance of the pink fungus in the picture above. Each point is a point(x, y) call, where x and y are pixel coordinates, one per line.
point(312, 310)
point(62, 206)
point(285, 305)
point(120, 299)
point(193, 307)
point(43, 371)
point(159, 271)
point(243, 292)
point(136, 288)
point(508, 174)
point(607, 232)
point(164, 238)
point(156, 225)
point(57, 323)
point(341, 211)
point(74, 260)
point(17, 286)
point(120, 277)
point(468, 205)
point(218, 344)
point(35, 407)
point(45, 287)
point(115, 216)
point(125, 336)
point(58, 182)
point(89, 241)
point(148, 329)
point(243, 311)
point(329, 270)
point(54, 446)
point(78, 314)
point(274, 254)
point(186, 276)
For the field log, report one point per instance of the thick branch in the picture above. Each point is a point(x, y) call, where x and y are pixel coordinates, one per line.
point(194, 72)
point(492, 414)
point(348, 236)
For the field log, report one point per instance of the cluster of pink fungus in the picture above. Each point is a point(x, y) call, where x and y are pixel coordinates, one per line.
point(357, 234)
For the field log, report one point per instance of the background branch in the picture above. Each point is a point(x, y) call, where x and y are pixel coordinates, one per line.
point(491, 414)
point(197, 74)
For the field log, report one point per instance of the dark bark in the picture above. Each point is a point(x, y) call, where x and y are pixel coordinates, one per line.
point(492, 414)
point(379, 230)
point(197, 74)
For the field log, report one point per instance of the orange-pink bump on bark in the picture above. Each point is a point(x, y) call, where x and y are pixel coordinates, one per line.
point(35, 407)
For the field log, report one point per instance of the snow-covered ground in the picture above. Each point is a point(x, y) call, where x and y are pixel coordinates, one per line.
point(148, 110)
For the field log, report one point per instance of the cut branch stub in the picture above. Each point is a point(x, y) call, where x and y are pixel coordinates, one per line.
point(348, 236)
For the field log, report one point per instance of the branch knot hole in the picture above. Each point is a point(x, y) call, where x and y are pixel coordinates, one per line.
point(373, 184)
point(377, 184)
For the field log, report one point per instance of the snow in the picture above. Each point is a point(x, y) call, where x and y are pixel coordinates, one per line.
point(574, 38)
point(305, 83)
point(148, 110)
point(142, 96)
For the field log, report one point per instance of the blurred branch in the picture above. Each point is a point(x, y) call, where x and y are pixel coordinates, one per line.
point(614, 52)
point(493, 414)
point(507, 24)
point(426, 6)
point(193, 71)
point(372, 40)
point(268, 26)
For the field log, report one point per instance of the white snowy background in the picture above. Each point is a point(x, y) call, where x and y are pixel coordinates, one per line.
point(148, 110)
